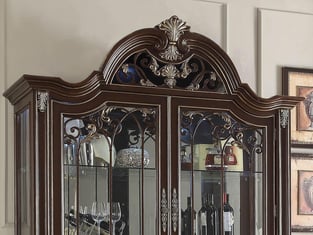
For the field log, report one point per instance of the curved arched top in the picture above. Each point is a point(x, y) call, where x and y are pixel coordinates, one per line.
point(165, 60)
point(171, 56)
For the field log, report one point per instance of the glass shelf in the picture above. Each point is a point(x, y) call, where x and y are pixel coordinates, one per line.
point(106, 167)
point(224, 171)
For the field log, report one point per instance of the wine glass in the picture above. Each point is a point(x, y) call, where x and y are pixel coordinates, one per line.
point(99, 213)
point(83, 211)
point(116, 214)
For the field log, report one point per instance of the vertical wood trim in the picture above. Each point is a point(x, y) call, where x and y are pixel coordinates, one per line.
point(259, 53)
point(225, 24)
point(3, 160)
point(285, 195)
point(6, 169)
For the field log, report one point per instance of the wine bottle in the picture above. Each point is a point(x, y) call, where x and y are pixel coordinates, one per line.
point(212, 218)
point(230, 157)
point(213, 159)
point(228, 216)
point(71, 217)
point(190, 219)
point(183, 225)
point(202, 218)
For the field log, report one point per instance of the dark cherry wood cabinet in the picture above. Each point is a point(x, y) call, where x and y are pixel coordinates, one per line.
point(164, 123)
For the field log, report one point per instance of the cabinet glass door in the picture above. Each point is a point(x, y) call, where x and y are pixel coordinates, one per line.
point(221, 174)
point(23, 172)
point(110, 171)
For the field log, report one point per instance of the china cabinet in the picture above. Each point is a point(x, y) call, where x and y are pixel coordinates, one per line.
point(164, 128)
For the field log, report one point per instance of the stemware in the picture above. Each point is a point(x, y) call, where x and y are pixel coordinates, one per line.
point(99, 212)
point(116, 214)
point(83, 215)
point(94, 149)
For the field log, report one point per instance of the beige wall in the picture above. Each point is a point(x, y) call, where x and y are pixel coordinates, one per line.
point(6, 170)
point(71, 38)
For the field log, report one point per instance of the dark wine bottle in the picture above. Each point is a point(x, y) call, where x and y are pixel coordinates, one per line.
point(190, 219)
point(71, 218)
point(202, 218)
point(228, 216)
point(212, 218)
point(183, 225)
point(230, 157)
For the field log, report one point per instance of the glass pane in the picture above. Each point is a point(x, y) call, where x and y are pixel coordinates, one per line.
point(24, 186)
point(110, 157)
point(221, 174)
point(70, 182)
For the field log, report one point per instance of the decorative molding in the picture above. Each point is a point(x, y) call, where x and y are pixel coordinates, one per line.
point(224, 22)
point(262, 18)
point(174, 28)
point(224, 43)
point(284, 118)
point(173, 61)
point(259, 53)
point(170, 72)
point(175, 210)
point(164, 210)
point(285, 11)
point(223, 127)
point(7, 181)
point(42, 101)
point(192, 73)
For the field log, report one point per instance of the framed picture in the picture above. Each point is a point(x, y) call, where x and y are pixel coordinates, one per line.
point(301, 192)
point(299, 82)
point(305, 192)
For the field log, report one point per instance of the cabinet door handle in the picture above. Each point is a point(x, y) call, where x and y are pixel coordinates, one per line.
point(164, 210)
point(175, 211)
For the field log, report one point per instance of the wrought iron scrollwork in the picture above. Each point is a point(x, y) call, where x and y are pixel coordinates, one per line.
point(216, 127)
point(192, 73)
point(137, 124)
point(172, 67)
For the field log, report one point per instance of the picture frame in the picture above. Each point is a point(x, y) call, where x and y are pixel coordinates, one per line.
point(305, 188)
point(301, 183)
point(299, 82)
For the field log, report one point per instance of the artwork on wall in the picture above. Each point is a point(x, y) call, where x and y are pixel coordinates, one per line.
point(301, 192)
point(305, 192)
point(299, 82)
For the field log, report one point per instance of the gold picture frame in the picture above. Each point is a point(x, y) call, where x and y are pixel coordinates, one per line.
point(301, 205)
point(305, 196)
point(299, 82)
